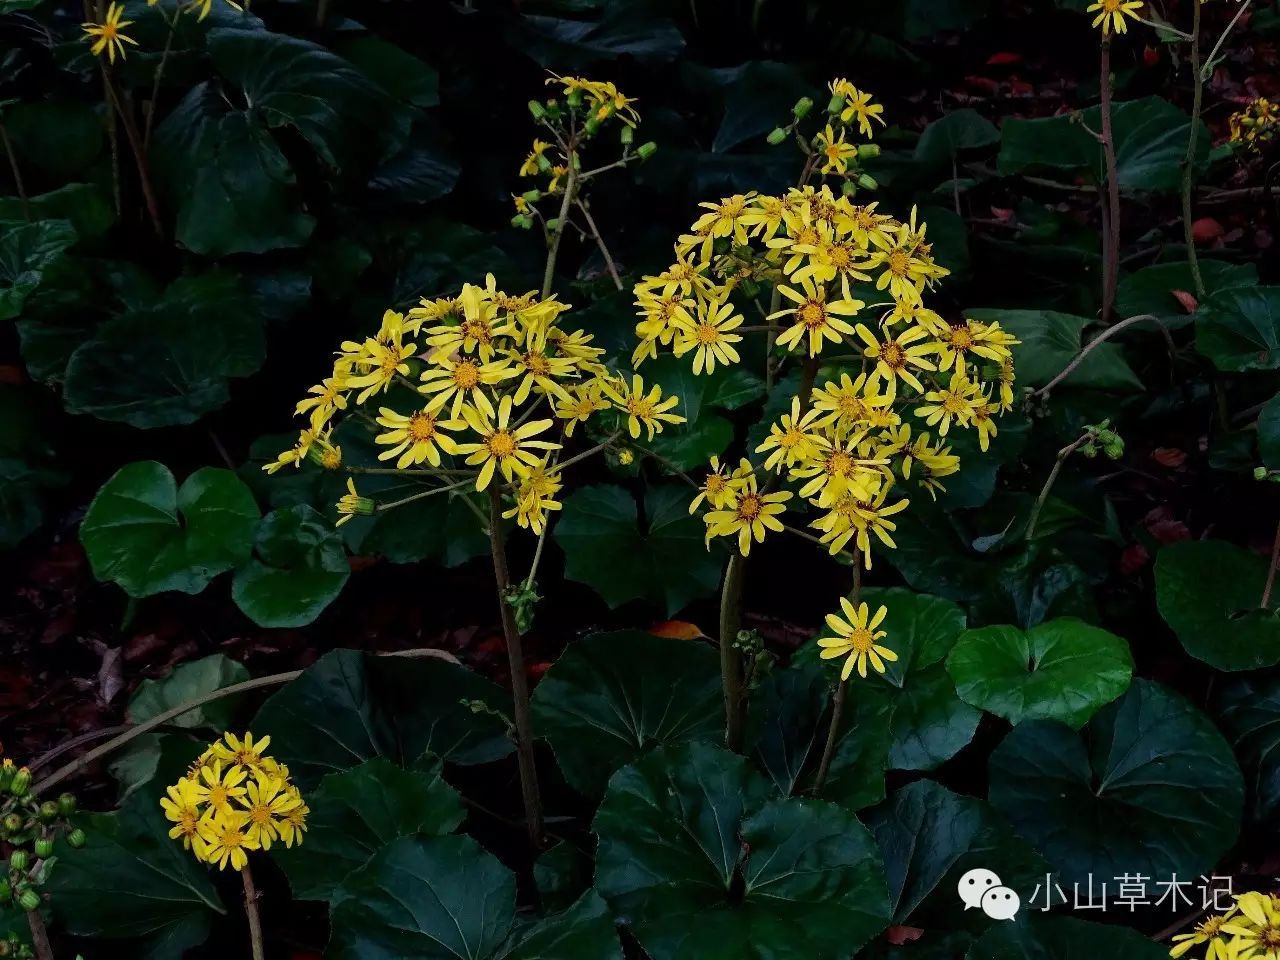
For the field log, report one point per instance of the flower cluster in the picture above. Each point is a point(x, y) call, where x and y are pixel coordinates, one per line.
point(1111, 14)
point(458, 384)
point(1251, 928)
point(28, 830)
point(234, 799)
point(108, 36)
point(1255, 124)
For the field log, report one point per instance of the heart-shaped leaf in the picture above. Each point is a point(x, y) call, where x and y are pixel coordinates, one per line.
point(26, 251)
point(1209, 592)
point(704, 866)
point(298, 568)
point(1239, 328)
point(1148, 786)
point(1051, 340)
point(1061, 670)
point(944, 139)
point(1157, 289)
point(149, 535)
point(612, 697)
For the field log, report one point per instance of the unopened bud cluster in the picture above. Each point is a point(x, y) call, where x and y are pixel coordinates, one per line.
point(849, 111)
point(29, 829)
point(1104, 440)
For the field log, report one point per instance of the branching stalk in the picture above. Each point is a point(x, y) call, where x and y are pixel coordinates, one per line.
point(1063, 454)
point(251, 911)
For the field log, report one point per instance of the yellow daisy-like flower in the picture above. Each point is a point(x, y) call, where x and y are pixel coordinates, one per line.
point(858, 105)
point(718, 489)
point(953, 403)
point(381, 359)
point(294, 456)
point(793, 439)
point(218, 788)
point(579, 404)
point(327, 398)
point(1210, 934)
point(748, 514)
point(837, 469)
point(835, 152)
point(1256, 931)
point(539, 369)
point(853, 517)
point(815, 316)
point(973, 338)
point(535, 496)
point(245, 753)
point(108, 36)
point(709, 336)
point(294, 824)
point(265, 803)
point(647, 409)
point(463, 380)
point(533, 163)
point(415, 438)
point(476, 333)
point(847, 404)
point(896, 357)
point(503, 446)
point(351, 504)
point(1112, 13)
point(227, 839)
point(182, 808)
point(856, 639)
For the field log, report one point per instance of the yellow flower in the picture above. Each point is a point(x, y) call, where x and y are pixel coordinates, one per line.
point(182, 808)
point(463, 380)
point(537, 369)
point(649, 409)
point(294, 824)
point(896, 356)
point(579, 404)
point(1257, 932)
point(351, 504)
point(856, 638)
point(709, 336)
point(533, 163)
point(717, 489)
point(973, 337)
point(381, 359)
point(477, 331)
point(295, 454)
point(835, 152)
point(415, 438)
point(226, 839)
point(953, 403)
point(1112, 13)
point(503, 446)
point(535, 496)
point(815, 316)
point(327, 398)
point(724, 219)
point(848, 404)
point(748, 514)
point(793, 439)
point(218, 788)
point(265, 803)
point(1210, 933)
point(864, 225)
point(838, 469)
point(109, 35)
point(857, 104)
point(853, 517)
point(244, 753)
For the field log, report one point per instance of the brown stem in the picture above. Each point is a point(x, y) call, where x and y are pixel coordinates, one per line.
point(570, 188)
point(731, 674)
point(251, 911)
point(841, 695)
point(322, 13)
point(149, 119)
point(519, 679)
point(604, 250)
point(39, 936)
point(1063, 454)
point(17, 173)
point(1094, 343)
point(139, 155)
point(1271, 571)
point(1111, 245)
point(1188, 167)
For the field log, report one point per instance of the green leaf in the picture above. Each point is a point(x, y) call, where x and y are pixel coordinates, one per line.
point(169, 362)
point(666, 563)
point(401, 74)
point(26, 251)
point(757, 97)
point(350, 707)
point(1037, 937)
point(59, 138)
point(704, 866)
point(1150, 290)
point(1061, 670)
point(86, 206)
point(1209, 592)
point(689, 446)
point(157, 889)
point(1248, 711)
point(445, 898)
point(1269, 433)
point(298, 568)
point(786, 715)
point(1150, 143)
point(943, 140)
point(136, 764)
point(612, 697)
point(149, 535)
point(354, 814)
point(1239, 328)
point(1050, 341)
point(1148, 786)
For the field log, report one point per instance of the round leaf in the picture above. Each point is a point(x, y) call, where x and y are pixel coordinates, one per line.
point(298, 568)
point(1209, 592)
point(612, 697)
point(1061, 670)
point(149, 535)
point(1148, 786)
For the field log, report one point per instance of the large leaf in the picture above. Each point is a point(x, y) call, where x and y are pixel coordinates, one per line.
point(1050, 341)
point(354, 814)
point(445, 898)
point(666, 563)
point(131, 881)
point(1035, 937)
point(298, 568)
point(1148, 786)
point(59, 138)
point(169, 362)
point(756, 95)
point(947, 137)
point(1239, 328)
point(612, 697)
point(1210, 593)
point(1150, 144)
point(350, 707)
point(704, 865)
point(86, 206)
point(1151, 289)
point(26, 251)
point(1061, 670)
point(1248, 710)
point(401, 74)
point(149, 535)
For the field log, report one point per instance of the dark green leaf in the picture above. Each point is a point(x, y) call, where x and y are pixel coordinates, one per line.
point(758, 96)
point(612, 697)
point(1248, 710)
point(401, 74)
point(1050, 341)
point(1148, 786)
point(59, 138)
point(298, 568)
point(1061, 670)
point(943, 140)
point(86, 206)
point(1150, 290)
point(26, 251)
point(149, 535)
point(1239, 328)
point(1269, 433)
point(1035, 937)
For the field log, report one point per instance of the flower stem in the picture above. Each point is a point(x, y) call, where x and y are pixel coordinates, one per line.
point(1271, 571)
point(519, 679)
point(150, 116)
point(1063, 454)
point(135, 145)
point(1111, 238)
point(1188, 167)
point(570, 189)
point(731, 677)
point(604, 250)
point(251, 911)
point(17, 173)
point(841, 695)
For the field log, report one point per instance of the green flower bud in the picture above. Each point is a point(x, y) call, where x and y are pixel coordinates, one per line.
point(76, 839)
point(19, 861)
point(544, 163)
point(776, 136)
point(627, 135)
point(531, 196)
point(537, 110)
point(21, 781)
point(30, 900)
point(67, 804)
point(553, 109)
point(553, 224)
point(591, 127)
point(866, 150)
point(44, 847)
point(867, 182)
point(49, 811)
point(574, 99)
point(802, 108)
point(13, 822)
point(1114, 449)
point(1259, 473)
point(835, 104)
point(848, 188)
point(7, 770)
point(646, 150)
point(1088, 451)
point(521, 222)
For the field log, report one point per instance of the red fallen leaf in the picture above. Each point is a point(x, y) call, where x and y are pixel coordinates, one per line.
point(1150, 56)
point(1170, 531)
point(1002, 213)
point(533, 671)
point(1206, 230)
point(985, 84)
point(678, 630)
point(1005, 56)
point(902, 934)
point(1188, 300)
point(1133, 558)
point(1170, 457)
point(1020, 88)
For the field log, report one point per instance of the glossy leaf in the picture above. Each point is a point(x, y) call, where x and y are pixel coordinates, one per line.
point(298, 568)
point(26, 251)
point(1051, 340)
point(1239, 328)
point(1248, 710)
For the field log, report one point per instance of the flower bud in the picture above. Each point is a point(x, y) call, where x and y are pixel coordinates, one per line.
point(44, 847)
point(13, 822)
point(76, 839)
point(848, 188)
point(867, 182)
point(29, 901)
point(67, 804)
point(21, 781)
point(802, 108)
point(627, 134)
point(866, 150)
point(544, 163)
point(7, 770)
point(574, 99)
point(626, 457)
point(522, 222)
point(553, 224)
point(776, 136)
point(19, 861)
point(553, 109)
point(1115, 449)
point(647, 150)
point(537, 110)
point(1259, 473)
point(836, 104)
point(49, 811)
point(531, 196)
point(591, 127)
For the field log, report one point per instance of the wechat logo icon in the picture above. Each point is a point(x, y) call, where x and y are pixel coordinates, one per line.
point(982, 889)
